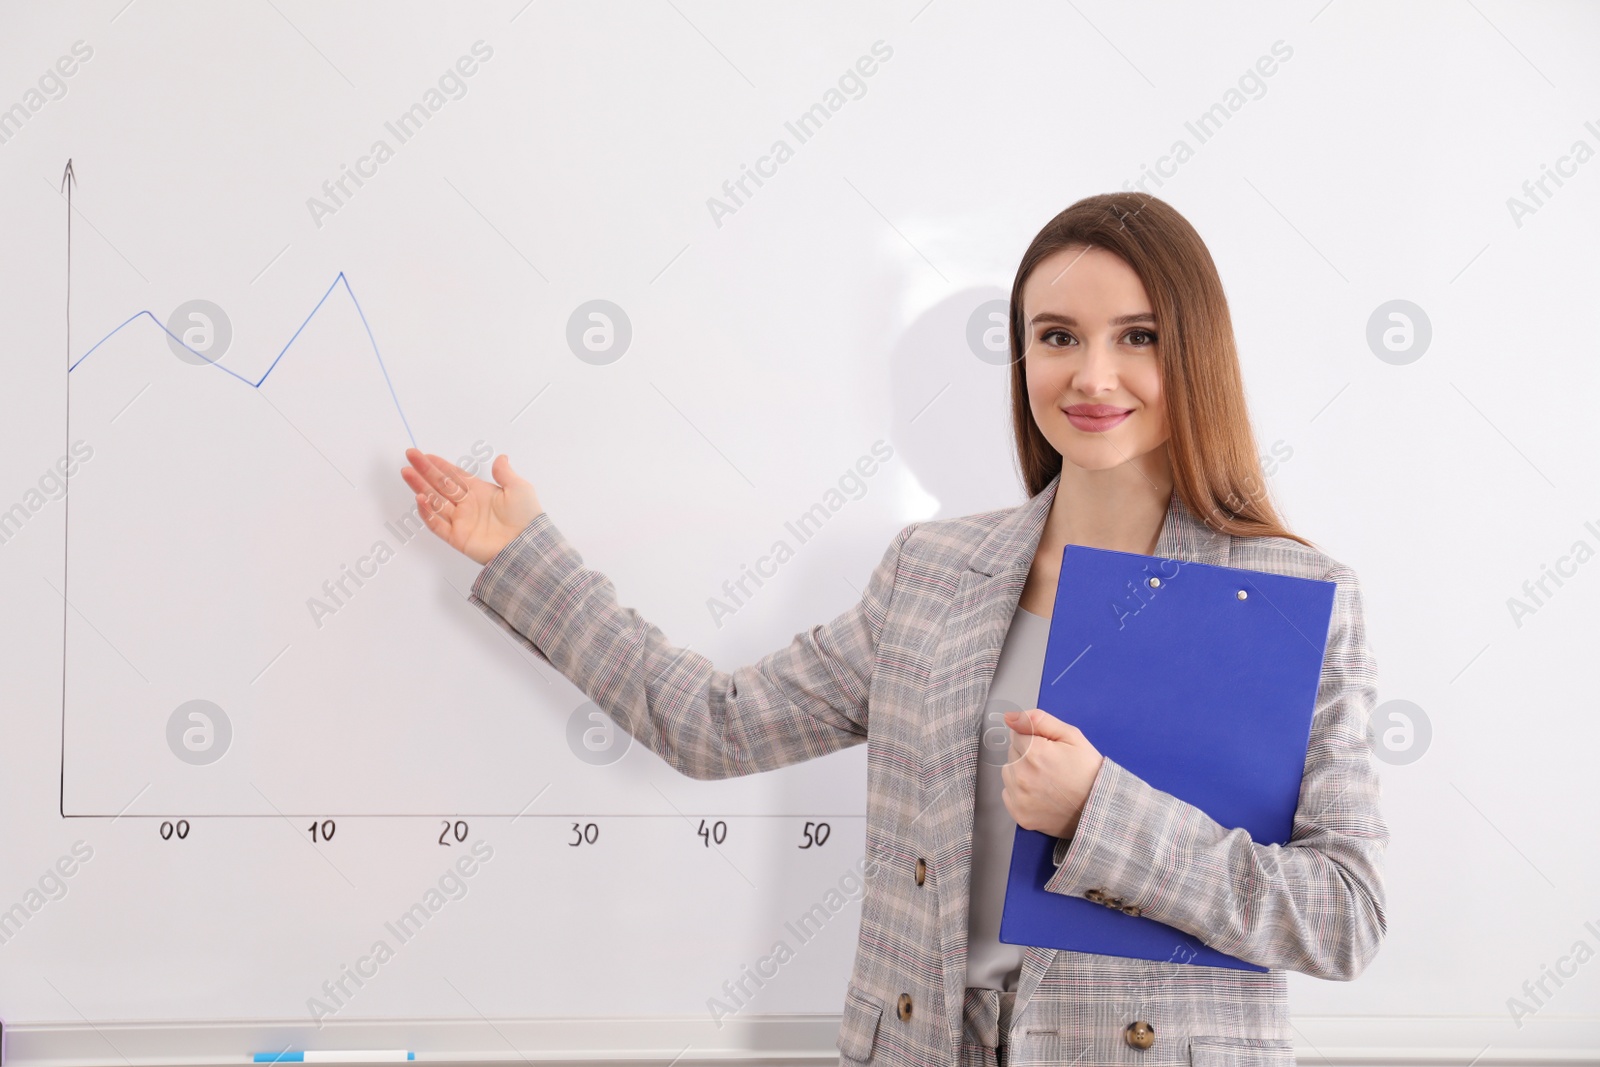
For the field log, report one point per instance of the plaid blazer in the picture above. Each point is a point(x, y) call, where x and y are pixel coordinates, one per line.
point(907, 670)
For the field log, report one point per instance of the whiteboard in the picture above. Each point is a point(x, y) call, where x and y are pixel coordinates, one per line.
point(698, 269)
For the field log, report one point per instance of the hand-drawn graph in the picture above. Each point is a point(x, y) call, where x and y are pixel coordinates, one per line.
point(202, 357)
point(257, 622)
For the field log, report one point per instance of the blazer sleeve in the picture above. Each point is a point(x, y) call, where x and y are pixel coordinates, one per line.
point(794, 704)
point(1314, 905)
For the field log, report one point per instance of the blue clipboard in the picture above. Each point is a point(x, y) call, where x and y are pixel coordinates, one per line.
point(1203, 693)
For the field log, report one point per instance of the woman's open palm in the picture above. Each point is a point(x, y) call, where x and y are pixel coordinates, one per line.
point(472, 516)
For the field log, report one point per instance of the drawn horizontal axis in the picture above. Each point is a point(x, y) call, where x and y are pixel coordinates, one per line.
point(475, 815)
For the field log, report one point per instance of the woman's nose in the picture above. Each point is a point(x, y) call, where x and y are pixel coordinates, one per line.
point(1097, 373)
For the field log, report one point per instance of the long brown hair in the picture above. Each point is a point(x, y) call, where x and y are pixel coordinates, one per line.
point(1212, 448)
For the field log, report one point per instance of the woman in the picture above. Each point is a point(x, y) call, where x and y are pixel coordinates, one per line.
point(1132, 434)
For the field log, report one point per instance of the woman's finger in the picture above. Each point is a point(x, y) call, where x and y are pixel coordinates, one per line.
point(431, 472)
point(458, 479)
point(442, 507)
point(504, 475)
point(426, 496)
point(415, 481)
point(429, 516)
point(430, 507)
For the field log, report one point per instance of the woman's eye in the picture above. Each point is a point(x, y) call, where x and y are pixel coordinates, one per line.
point(1048, 334)
point(1141, 338)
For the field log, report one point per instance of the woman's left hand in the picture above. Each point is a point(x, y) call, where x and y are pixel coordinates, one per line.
point(1049, 773)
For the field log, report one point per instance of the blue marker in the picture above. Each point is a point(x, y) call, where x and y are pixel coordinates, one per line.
point(336, 1056)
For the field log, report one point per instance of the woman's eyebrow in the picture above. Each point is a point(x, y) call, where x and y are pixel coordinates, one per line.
point(1120, 320)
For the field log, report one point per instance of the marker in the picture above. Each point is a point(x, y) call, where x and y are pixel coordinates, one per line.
point(336, 1056)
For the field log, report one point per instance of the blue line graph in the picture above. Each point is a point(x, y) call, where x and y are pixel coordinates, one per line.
point(257, 383)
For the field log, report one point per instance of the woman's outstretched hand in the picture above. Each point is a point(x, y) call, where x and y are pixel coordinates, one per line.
point(474, 517)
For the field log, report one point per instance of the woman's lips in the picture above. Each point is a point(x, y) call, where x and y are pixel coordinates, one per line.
point(1095, 418)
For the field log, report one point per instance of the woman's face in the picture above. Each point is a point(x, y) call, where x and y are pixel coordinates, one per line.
point(1094, 383)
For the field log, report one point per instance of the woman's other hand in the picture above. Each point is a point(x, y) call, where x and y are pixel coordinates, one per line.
point(474, 517)
point(1052, 767)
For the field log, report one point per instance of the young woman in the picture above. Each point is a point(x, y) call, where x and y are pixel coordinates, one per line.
point(1132, 434)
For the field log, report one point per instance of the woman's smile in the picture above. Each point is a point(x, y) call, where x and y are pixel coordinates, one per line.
point(1095, 418)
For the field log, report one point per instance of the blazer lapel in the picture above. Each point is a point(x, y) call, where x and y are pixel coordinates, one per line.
point(964, 662)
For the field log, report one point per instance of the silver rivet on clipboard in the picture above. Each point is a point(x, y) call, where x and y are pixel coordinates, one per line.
point(1155, 583)
point(1242, 594)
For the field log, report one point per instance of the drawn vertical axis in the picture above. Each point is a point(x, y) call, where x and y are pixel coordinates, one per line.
point(68, 181)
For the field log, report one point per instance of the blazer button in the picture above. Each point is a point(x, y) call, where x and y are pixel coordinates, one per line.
point(1096, 896)
point(903, 1009)
point(1131, 909)
point(1140, 1034)
point(922, 870)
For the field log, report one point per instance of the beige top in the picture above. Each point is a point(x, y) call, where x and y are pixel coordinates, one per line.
point(992, 964)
